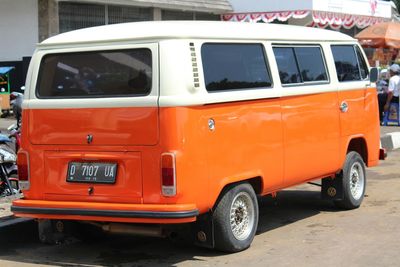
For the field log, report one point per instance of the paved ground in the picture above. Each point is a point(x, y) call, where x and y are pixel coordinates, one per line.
point(5, 123)
point(5, 203)
point(389, 129)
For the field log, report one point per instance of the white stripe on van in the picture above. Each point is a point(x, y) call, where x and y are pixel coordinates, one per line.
point(191, 100)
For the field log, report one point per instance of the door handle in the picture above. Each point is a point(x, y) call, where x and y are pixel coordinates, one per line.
point(344, 107)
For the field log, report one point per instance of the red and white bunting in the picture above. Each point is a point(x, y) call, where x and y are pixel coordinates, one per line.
point(324, 19)
point(266, 16)
point(321, 19)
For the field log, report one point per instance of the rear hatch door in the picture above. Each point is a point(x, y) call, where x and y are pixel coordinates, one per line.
point(97, 110)
point(110, 95)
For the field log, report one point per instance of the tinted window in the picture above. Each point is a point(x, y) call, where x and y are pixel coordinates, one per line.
point(363, 66)
point(287, 65)
point(234, 66)
point(96, 74)
point(346, 63)
point(300, 64)
point(311, 64)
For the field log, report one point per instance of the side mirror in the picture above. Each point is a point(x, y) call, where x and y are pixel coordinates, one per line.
point(373, 75)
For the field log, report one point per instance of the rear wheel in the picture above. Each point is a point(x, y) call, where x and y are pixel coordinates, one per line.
point(236, 218)
point(353, 182)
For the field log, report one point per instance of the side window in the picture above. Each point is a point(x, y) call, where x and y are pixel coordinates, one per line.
point(363, 66)
point(311, 64)
point(300, 64)
point(234, 66)
point(346, 62)
point(287, 65)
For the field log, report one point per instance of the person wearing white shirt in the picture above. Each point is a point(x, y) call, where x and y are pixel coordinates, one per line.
point(392, 93)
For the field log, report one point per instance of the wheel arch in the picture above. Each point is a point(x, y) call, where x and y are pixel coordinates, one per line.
point(255, 182)
point(359, 145)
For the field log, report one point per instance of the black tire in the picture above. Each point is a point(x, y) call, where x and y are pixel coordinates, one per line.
point(242, 200)
point(354, 182)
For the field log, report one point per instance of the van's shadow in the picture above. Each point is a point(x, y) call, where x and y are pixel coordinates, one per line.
point(19, 243)
point(290, 206)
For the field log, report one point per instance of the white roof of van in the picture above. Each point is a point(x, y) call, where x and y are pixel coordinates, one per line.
point(194, 30)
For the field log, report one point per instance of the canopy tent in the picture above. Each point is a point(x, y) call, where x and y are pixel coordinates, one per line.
point(382, 35)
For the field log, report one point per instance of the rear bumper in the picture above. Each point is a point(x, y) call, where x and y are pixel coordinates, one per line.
point(135, 213)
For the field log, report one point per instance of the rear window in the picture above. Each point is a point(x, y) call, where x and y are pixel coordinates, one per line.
point(96, 74)
point(234, 66)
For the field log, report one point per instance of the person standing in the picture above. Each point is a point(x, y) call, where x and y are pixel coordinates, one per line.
point(392, 93)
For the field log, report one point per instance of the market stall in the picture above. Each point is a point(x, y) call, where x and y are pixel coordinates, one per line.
point(385, 39)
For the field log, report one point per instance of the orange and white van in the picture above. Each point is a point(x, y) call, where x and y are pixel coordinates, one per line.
point(139, 127)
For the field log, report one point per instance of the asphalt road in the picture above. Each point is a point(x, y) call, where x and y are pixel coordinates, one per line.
point(295, 229)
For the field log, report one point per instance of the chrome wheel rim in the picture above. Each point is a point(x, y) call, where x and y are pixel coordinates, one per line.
point(242, 216)
point(357, 180)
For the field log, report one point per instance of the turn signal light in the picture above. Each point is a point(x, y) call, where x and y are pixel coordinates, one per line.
point(23, 170)
point(168, 174)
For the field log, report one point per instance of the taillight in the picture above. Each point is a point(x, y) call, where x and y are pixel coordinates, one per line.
point(168, 174)
point(23, 170)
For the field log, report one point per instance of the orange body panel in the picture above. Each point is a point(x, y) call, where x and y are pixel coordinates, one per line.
point(360, 121)
point(129, 173)
point(280, 141)
point(247, 142)
point(311, 136)
point(127, 126)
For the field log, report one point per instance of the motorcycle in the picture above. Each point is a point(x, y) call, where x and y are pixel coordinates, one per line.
point(8, 168)
point(8, 157)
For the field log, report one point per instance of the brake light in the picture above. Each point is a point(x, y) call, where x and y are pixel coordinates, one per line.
point(168, 174)
point(23, 169)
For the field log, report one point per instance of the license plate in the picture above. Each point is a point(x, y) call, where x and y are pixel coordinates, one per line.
point(92, 172)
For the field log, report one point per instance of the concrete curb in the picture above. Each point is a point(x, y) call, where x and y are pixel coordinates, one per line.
point(390, 141)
